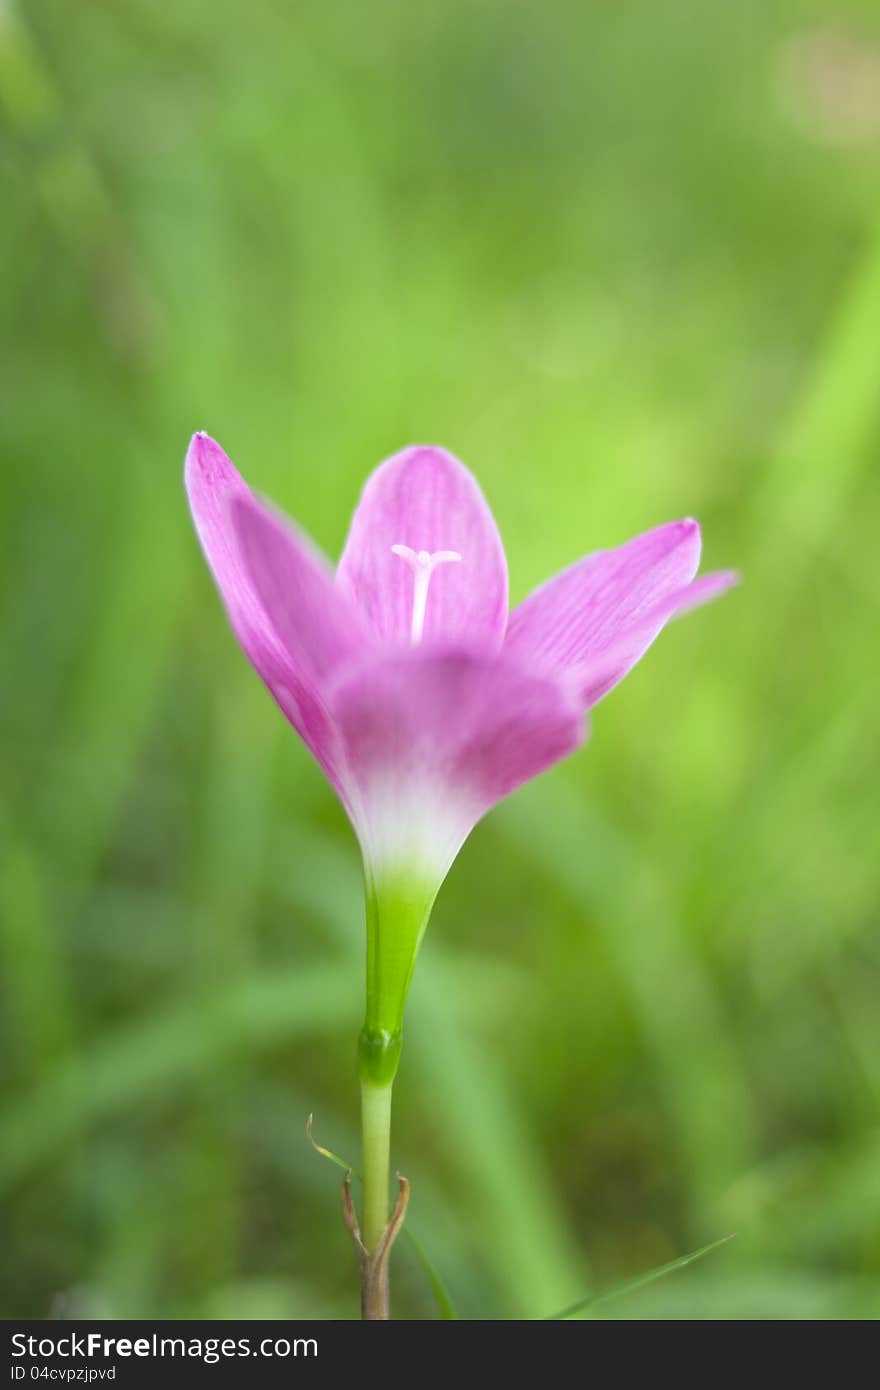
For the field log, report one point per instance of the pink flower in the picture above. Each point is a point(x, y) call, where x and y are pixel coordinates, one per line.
point(422, 699)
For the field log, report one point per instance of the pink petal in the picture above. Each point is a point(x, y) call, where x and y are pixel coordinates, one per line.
point(600, 674)
point(610, 602)
point(292, 642)
point(433, 740)
point(425, 500)
point(319, 629)
point(211, 482)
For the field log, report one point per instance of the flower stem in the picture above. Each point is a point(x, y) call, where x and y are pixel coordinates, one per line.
point(376, 1127)
point(397, 907)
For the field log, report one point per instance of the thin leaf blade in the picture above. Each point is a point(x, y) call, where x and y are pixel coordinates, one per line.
point(638, 1281)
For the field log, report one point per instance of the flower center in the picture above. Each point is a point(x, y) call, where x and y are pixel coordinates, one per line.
point(423, 564)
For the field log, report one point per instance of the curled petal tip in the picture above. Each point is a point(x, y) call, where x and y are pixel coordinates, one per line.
point(687, 532)
point(206, 461)
point(688, 529)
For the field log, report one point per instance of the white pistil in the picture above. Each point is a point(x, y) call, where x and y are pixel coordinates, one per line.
point(423, 564)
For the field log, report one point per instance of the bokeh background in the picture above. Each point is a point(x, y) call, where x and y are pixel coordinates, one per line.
point(625, 261)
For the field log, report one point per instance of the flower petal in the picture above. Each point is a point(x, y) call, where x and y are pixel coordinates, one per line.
point(433, 740)
point(424, 500)
point(600, 674)
point(607, 602)
point(320, 630)
point(211, 482)
point(280, 596)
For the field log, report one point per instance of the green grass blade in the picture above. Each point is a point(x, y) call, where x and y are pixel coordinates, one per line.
point(638, 1280)
point(438, 1288)
point(500, 1169)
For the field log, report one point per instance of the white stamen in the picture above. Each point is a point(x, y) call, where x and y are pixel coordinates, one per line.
point(423, 564)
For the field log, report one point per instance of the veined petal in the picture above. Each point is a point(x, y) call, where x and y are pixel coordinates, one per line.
point(319, 628)
point(281, 601)
point(211, 483)
point(612, 600)
point(424, 508)
point(432, 740)
point(600, 674)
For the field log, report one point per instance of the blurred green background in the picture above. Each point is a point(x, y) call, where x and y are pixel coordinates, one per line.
point(625, 261)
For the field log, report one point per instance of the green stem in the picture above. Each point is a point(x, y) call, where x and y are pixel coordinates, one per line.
point(398, 903)
point(376, 1126)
